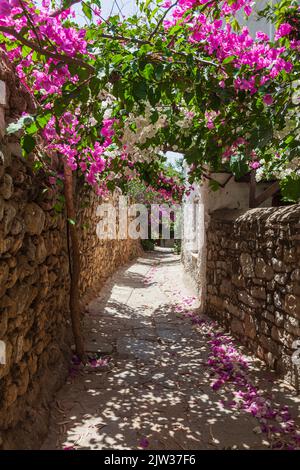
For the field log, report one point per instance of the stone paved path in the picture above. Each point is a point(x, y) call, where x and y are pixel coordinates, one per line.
point(156, 387)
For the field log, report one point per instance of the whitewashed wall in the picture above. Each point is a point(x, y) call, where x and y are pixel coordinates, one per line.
point(253, 24)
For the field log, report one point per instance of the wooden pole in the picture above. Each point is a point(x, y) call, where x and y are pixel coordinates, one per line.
point(75, 264)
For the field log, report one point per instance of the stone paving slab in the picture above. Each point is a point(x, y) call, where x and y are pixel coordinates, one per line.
point(156, 385)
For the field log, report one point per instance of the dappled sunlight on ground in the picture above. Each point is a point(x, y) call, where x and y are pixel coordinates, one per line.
point(155, 386)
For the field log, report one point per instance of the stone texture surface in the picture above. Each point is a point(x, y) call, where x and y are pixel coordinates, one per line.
point(34, 282)
point(257, 256)
point(156, 385)
point(99, 258)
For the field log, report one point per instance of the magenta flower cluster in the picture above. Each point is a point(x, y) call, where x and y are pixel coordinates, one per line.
point(258, 59)
point(263, 60)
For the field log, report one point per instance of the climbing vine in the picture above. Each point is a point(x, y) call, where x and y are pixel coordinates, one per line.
point(197, 79)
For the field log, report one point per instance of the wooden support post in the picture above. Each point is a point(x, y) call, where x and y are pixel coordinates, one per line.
point(256, 201)
point(252, 189)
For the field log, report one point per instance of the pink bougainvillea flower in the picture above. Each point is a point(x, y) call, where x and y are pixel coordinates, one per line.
point(283, 30)
point(268, 100)
point(260, 36)
point(76, 360)
point(144, 443)
point(5, 8)
point(52, 180)
point(99, 362)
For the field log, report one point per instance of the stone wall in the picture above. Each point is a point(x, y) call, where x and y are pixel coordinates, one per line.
point(253, 281)
point(34, 280)
point(99, 258)
point(33, 284)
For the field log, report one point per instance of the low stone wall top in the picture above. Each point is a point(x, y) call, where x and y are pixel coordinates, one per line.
point(253, 280)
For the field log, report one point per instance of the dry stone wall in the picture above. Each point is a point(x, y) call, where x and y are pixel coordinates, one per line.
point(253, 281)
point(99, 257)
point(34, 280)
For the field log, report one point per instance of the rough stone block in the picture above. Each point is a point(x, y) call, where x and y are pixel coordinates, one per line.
point(282, 336)
point(248, 299)
point(238, 280)
point(281, 279)
point(289, 255)
point(292, 304)
point(3, 94)
point(2, 122)
point(34, 218)
point(10, 395)
point(5, 156)
point(237, 326)
point(277, 300)
point(15, 149)
point(268, 316)
point(247, 265)
point(278, 265)
point(6, 188)
point(263, 270)
point(295, 275)
point(279, 318)
point(259, 293)
point(226, 287)
point(269, 344)
point(250, 328)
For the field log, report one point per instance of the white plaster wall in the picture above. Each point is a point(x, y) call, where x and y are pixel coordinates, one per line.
point(252, 23)
point(234, 195)
point(195, 223)
point(3, 104)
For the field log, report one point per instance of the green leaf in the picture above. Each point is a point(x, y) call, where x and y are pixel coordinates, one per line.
point(43, 119)
point(58, 207)
point(290, 188)
point(289, 139)
point(140, 91)
point(235, 24)
point(32, 129)
point(238, 165)
point(117, 58)
point(158, 71)
point(27, 143)
point(229, 59)
point(87, 11)
point(154, 96)
point(37, 166)
point(148, 71)
point(26, 51)
point(71, 221)
point(214, 185)
point(154, 117)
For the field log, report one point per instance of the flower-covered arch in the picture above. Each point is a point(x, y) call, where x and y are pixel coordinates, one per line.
point(111, 96)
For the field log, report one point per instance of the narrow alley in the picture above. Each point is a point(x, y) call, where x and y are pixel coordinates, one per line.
point(153, 383)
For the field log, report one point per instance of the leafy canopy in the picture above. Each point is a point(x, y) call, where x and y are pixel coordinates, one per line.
point(112, 96)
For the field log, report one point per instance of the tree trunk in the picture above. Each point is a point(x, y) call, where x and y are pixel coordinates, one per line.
point(74, 264)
